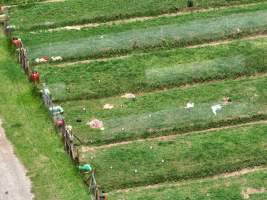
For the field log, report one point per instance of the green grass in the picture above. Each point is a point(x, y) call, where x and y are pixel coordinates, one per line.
point(207, 189)
point(19, 2)
point(186, 157)
point(164, 32)
point(43, 36)
point(86, 11)
point(163, 112)
point(160, 33)
point(163, 69)
point(29, 128)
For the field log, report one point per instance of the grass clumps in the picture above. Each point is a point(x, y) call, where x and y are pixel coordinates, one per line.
point(180, 158)
point(163, 69)
point(164, 113)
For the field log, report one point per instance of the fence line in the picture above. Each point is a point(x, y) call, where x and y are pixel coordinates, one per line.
point(95, 191)
point(63, 129)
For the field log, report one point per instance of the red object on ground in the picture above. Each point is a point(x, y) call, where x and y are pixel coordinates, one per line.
point(60, 122)
point(95, 123)
point(16, 42)
point(45, 58)
point(35, 77)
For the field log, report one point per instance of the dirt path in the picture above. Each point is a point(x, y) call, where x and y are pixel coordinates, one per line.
point(169, 137)
point(14, 185)
point(145, 18)
point(51, 1)
point(65, 64)
point(216, 177)
point(220, 42)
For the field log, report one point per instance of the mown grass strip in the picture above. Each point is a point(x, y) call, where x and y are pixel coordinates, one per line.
point(184, 157)
point(43, 36)
point(163, 113)
point(142, 36)
point(20, 2)
point(169, 137)
point(205, 189)
point(86, 11)
point(164, 69)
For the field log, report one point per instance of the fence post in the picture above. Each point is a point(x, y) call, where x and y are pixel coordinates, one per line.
point(66, 133)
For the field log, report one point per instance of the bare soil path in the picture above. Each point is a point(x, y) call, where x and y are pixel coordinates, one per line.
point(143, 18)
point(216, 177)
point(169, 137)
point(208, 44)
point(14, 185)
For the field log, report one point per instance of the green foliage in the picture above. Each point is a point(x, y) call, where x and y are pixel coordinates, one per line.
point(20, 2)
point(163, 69)
point(225, 188)
point(31, 132)
point(176, 31)
point(86, 11)
point(159, 109)
point(188, 157)
point(163, 113)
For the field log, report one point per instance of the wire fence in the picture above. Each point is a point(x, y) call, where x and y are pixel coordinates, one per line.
point(95, 191)
point(63, 129)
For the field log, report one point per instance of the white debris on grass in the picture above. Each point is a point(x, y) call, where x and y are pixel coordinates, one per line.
point(96, 124)
point(189, 105)
point(41, 60)
point(128, 96)
point(46, 91)
point(69, 128)
point(226, 100)
point(56, 58)
point(55, 110)
point(216, 108)
point(11, 27)
point(108, 106)
point(135, 171)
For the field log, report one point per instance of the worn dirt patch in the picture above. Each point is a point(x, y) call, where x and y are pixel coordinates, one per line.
point(250, 191)
point(224, 175)
point(170, 137)
point(225, 41)
point(51, 1)
point(14, 185)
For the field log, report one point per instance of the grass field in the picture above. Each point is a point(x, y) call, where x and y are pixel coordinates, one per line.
point(164, 69)
point(20, 2)
point(29, 128)
point(163, 113)
point(141, 36)
point(151, 147)
point(185, 157)
point(35, 38)
point(86, 11)
point(223, 188)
